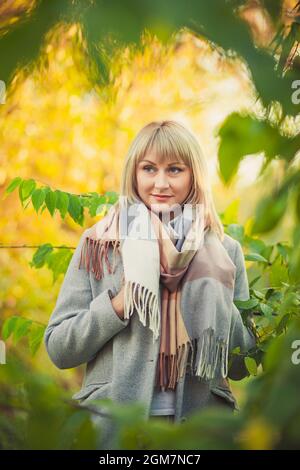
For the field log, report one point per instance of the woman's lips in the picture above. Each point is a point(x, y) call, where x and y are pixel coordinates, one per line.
point(161, 197)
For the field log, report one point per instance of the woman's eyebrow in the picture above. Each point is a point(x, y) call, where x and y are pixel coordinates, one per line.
point(172, 163)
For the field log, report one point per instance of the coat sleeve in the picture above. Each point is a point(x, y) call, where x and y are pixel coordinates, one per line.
point(240, 335)
point(79, 325)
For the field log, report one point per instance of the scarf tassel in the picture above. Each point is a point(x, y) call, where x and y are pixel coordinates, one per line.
point(92, 253)
point(146, 304)
point(172, 366)
point(207, 353)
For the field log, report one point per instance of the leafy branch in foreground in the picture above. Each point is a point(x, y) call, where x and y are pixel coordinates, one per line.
point(269, 310)
point(56, 200)
point(65, 202)
point(19, 327)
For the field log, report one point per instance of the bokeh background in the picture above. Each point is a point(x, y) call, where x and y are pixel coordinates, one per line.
point(78, 82)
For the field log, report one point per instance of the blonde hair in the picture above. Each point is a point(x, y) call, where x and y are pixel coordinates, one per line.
point(171, 139)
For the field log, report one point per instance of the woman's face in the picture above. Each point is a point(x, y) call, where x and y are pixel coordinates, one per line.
point(155, 177)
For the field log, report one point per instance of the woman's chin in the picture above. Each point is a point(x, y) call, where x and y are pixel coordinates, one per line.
point(160, 207)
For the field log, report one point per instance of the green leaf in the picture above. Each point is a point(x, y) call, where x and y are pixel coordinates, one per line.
point(256, 257)
point(273, 295)
point(101, 208)
point(283, 323)
point(258, 294)
point(251, 365)
point(13, 184)
point(40, 256)
point(37, 198)
point(9, 326)
point(284, 251)
point(236, 350)
point(278, 273)
point(112, 197)
point(59, 261)
point(254, 281)
point(246, 304)
point(26, 188)
point(236, 142)
point(257, 246)
point(242, 135)
point(62, 203)
point(35, 337)
point(21, 328)
point(230, 215)
point(266, 309)
point(75, 209)
point(264, 322)
point(269, 212)
point(50, 201)
point(96, 202)
point(236, 231)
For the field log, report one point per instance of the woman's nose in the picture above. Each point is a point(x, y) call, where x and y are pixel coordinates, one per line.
point(161, 181)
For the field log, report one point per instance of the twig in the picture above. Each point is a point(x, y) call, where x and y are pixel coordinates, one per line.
point(34, 246)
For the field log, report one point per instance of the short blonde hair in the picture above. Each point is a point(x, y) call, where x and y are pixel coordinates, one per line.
point(169, 139)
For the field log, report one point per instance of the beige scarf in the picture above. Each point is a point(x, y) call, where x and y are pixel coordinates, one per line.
point(151, 260)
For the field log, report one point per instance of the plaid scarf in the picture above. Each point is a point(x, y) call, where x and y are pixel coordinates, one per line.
point(151, 261)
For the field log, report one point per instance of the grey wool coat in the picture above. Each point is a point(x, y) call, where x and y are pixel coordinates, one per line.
point(119, 355)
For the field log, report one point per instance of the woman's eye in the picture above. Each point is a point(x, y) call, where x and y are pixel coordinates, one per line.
point(171, 169)
point(176, 168)
point(148, 168)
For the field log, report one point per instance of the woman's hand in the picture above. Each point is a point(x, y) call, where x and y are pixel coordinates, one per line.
point(118, 303)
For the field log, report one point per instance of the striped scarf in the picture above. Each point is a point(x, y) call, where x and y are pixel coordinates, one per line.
point(150, 261)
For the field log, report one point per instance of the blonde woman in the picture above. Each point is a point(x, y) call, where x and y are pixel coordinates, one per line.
point(147, 302)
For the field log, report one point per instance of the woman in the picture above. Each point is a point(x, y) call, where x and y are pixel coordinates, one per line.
point(147, 300)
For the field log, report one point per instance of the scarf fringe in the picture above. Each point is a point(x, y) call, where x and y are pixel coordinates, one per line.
point(92, 253)
point(208, 352)
point(146, 304)
point(172, 366)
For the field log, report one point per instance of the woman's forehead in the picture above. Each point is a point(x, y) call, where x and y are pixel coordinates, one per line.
point(153, 157)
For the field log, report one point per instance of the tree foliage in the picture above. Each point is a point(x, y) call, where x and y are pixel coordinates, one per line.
point(270, 415)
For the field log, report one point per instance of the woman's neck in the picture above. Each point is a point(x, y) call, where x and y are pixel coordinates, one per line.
point(172, 214)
